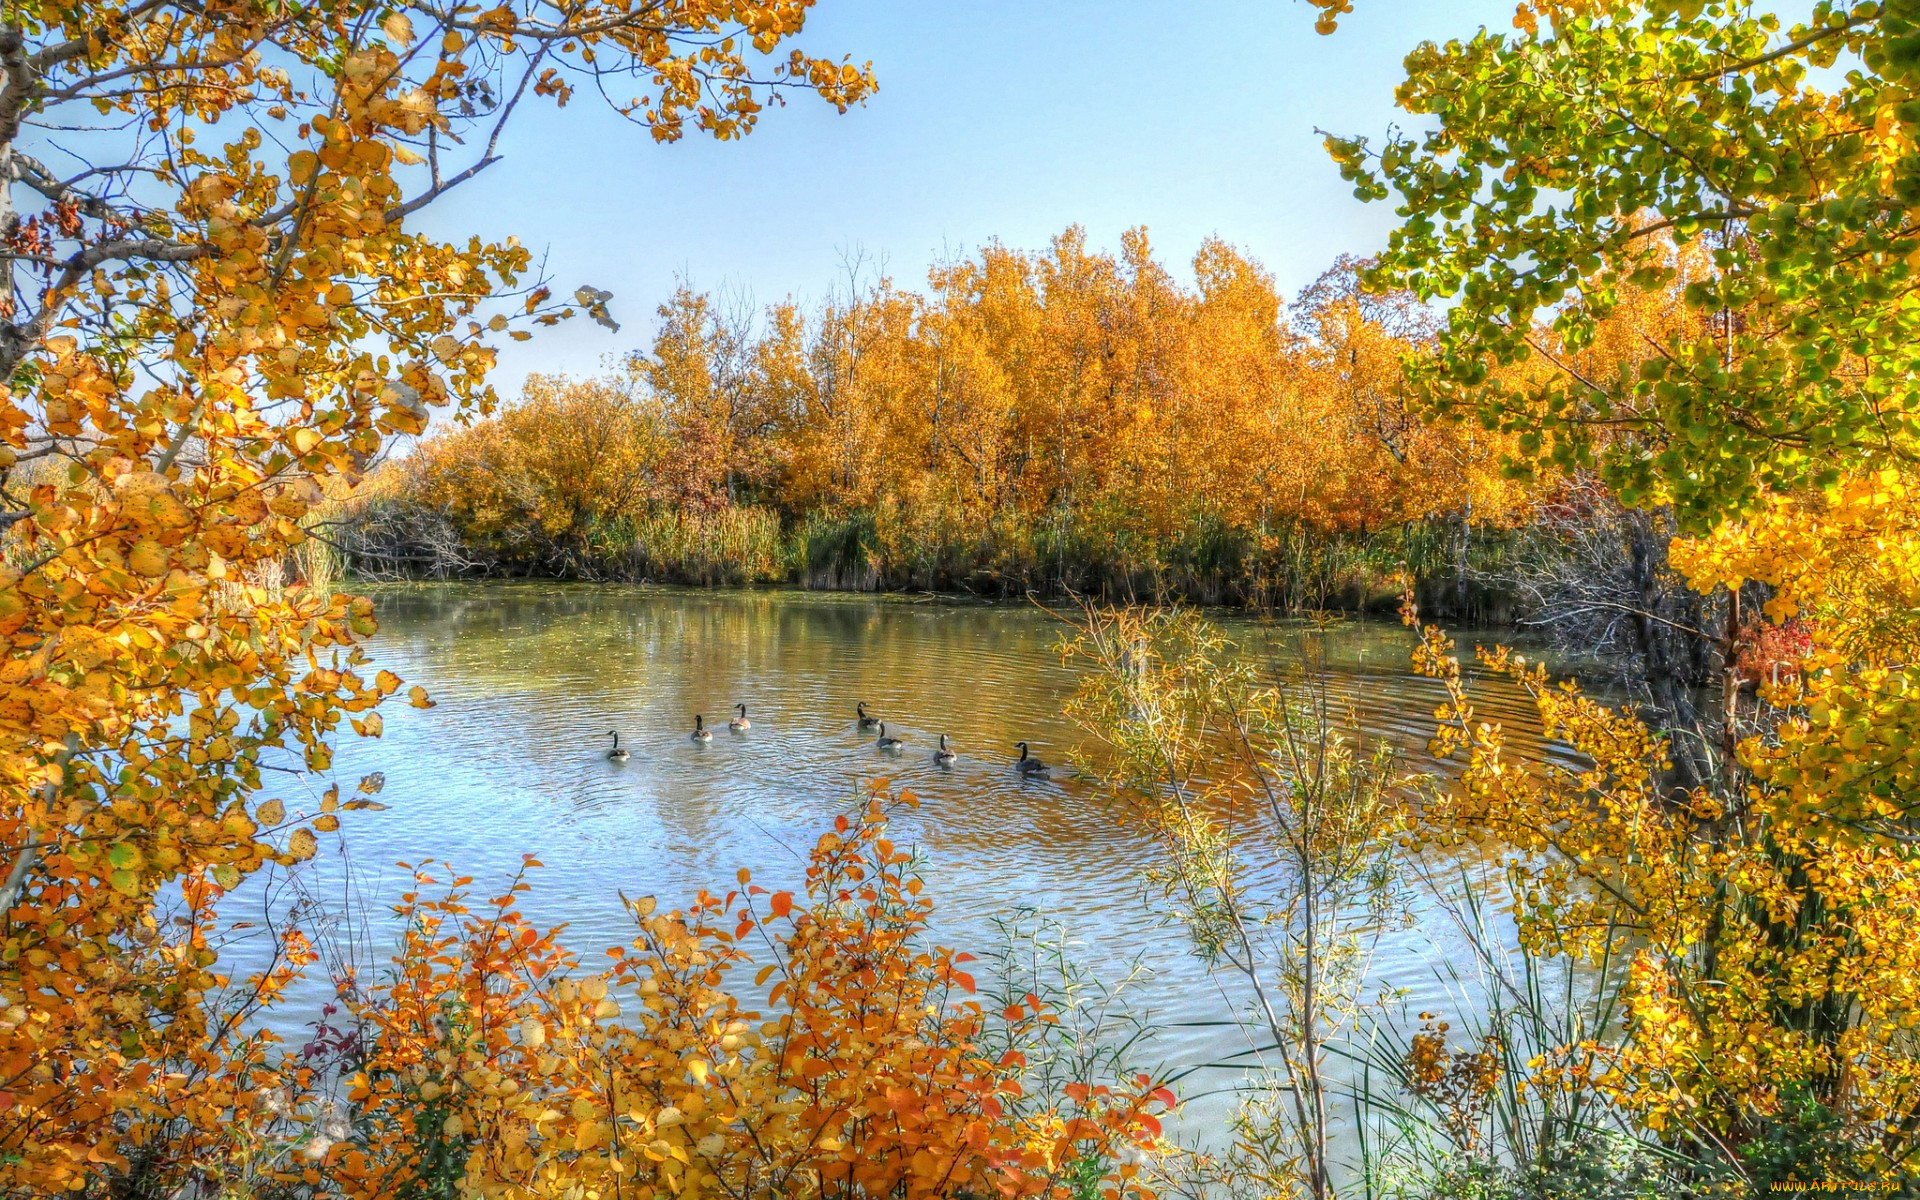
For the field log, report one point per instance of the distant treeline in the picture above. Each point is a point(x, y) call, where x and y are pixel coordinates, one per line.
point(1029, 422)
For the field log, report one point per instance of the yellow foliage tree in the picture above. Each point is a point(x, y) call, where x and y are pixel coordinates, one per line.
point(535, 483)
point(1067, 417)
point(225, 308)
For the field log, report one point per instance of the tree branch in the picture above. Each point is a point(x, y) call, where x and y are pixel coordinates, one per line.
point(1793, 47)
point(30, 853)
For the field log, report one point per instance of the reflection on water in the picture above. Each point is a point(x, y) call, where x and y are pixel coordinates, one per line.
point(530, 678)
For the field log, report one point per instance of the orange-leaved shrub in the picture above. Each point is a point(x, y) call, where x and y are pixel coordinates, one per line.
point(757, 1044)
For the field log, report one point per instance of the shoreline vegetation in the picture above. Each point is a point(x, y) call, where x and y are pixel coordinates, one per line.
point(1357, 575)
point(1066, 422)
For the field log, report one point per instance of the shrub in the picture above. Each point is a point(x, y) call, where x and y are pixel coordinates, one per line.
point(486, 1062)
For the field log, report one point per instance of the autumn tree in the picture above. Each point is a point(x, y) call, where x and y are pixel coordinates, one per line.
point(698, 384)
point(1748, 181)
point(216, 300)
point(1564, 154)
point(1065, 418)
point(538, 483)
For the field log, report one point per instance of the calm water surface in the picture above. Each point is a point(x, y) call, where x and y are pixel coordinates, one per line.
point(529, 679)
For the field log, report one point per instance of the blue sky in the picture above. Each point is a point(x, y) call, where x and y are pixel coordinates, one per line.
point(995, 118)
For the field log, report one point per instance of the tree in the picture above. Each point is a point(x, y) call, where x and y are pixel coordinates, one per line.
point(537, 483)
point(216, 301)
point(698, 380)
point(1275, 827)
point(1754, 838)
point(1564, 156)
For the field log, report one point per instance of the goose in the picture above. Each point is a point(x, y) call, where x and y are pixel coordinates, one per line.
point(1030, 766)
point(616, 754)
point(893, 744)
point(866, 722)
point(740, 724)
point(944, 757)
point(700, 731)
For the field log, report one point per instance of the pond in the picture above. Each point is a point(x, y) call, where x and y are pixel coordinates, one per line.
point(530, 678)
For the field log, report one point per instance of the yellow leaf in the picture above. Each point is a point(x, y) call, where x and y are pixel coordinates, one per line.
point(149, 559)
point(302, 845)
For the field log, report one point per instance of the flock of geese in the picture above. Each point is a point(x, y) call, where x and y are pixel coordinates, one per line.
point(1027, 765)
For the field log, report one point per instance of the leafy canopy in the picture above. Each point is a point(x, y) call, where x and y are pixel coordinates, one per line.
point(1559, 161)
point(216, 307)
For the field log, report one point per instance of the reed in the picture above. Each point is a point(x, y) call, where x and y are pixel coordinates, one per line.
point(838, 552)
point(1496, 1097)
point(730, 546)
point(319, 562)
point(932, 544)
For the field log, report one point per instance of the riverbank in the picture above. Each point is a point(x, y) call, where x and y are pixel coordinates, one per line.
point(1455, 568)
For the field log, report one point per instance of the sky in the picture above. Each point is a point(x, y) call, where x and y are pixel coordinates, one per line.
point(1007, 119)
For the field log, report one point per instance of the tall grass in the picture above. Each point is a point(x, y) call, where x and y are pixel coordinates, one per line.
point(1496, 1098)
point(732, 546)
point(319, 561)
point(838, 552)
point(941, 547)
